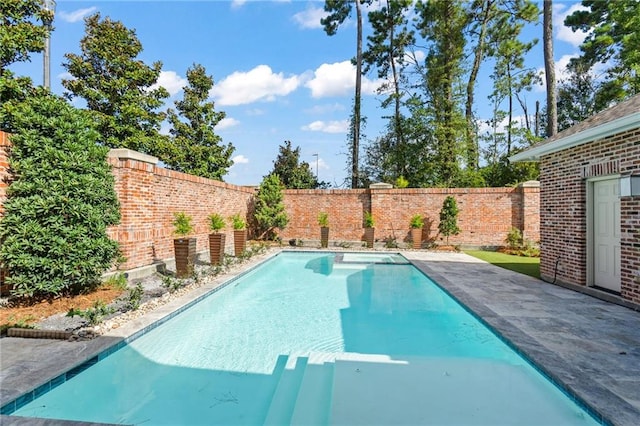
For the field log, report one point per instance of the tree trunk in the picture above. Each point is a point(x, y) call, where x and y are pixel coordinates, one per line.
point(472, 141)
point(355, 148)
point(550, 73)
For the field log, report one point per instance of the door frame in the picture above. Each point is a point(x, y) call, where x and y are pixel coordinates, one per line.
point(590, 232)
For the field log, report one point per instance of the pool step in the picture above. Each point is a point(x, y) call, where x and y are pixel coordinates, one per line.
point(313, 403)
point(284, 396)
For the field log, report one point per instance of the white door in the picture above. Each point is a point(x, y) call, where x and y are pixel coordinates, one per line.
point(606, 234)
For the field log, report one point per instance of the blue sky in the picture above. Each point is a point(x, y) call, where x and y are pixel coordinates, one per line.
point(277, 75)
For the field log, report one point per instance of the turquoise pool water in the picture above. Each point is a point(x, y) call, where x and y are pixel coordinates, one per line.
point(316, 338)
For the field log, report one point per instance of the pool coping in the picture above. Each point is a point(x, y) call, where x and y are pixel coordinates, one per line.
point(561, 373)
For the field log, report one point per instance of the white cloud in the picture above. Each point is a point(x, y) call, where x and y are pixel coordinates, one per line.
point(76, 15)
point(324, 109)
point(240, 159)
point(310, 18)
point(255, 112)
point(259, 84)
point(237, 3)
point(226, 123)
point(338, 79)
point(341, 126)
point(564, 33)
point(171, 81)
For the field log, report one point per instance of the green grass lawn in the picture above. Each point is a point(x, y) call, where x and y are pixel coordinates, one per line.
point(524, 265)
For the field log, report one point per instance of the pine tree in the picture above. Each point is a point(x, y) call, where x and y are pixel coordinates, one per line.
point(195, 148)
point(270, 213)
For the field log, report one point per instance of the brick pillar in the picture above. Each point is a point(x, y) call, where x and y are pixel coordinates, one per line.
point(4, 183)
point(134, 174)
point(530, 209)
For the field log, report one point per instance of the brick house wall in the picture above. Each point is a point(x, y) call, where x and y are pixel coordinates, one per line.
point(486, 214)
point(563, 212)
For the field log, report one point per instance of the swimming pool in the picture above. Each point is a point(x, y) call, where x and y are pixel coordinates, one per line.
point(316, 338)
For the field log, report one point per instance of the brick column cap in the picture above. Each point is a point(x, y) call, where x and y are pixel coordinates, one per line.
point(380, 185)
point(129, 154)
point(530, 184)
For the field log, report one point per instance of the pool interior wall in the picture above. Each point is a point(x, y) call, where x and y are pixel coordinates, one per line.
point(403, 329)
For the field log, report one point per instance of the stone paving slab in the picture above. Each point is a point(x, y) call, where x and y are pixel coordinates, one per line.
point(590, 347)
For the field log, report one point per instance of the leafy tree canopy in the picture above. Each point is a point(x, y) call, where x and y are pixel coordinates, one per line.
point(22, 31)
point(117, 87)
point(612, 37)
point(195, 148)
point(292, 173)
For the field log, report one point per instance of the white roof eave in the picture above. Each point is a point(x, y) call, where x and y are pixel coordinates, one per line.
point(599, 132)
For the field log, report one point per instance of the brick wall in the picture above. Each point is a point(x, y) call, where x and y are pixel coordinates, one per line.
point(486, 214)
point(149, 195)
point(563, 213)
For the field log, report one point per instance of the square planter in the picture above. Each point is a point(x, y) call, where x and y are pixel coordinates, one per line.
point(416, 238)
point(324, 236)
point(369, 236)
point(239, 241)
point(216, 247)
point(185, 251)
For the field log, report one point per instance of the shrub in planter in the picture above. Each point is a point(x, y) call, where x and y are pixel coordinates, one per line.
point(184, 247)
point(216, 238)
point(369, 229)
point(323, 221)
point(239, 234)
point(416, 223)
point(53, 234)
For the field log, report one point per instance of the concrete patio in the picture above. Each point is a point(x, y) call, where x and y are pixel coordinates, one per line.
point(591, 348)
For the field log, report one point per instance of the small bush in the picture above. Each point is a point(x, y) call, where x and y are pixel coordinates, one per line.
point(182, 224)
point(216, 222)
point(369, 222)
point(135, 297)
point(514, 238)
point(93, 315)
point(238, 222)
point(416, 221)
point(323, 219)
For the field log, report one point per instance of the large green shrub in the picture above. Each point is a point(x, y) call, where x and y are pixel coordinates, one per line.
point(53, 236)
point(270, 213)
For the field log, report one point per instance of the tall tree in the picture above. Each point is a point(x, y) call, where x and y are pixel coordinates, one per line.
point(386, 49)
point(339, 11)
point(576, 96)
point(481, 13)
point(117, 86)
point(195, 148)
point(510, 75)
point(442, 22)
point(21, 30)
point(612, 39)
point(292, 173)
point(549, 68)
